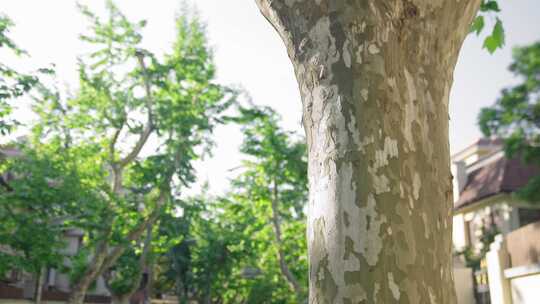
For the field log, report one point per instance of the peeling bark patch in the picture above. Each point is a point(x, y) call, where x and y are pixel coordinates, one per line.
point(347, 54)
point(390, 150)
point(370, 226)
point(381, 184)
point(394, 288)
point(410, 110)
point(373, 49)
point(426, 228)
point(354, 293)
point(375, 291)
point(364, 94)
point(364, 143)
point(416, 186)
point(432, 297)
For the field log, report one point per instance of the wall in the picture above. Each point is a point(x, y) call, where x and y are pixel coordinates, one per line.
point(524, 245)
point(526, 290)
point(463, 280)
point(458, 232)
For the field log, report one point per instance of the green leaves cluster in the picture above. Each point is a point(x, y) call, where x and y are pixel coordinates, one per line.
point(13, 84)
point(229, 252)
point(515, 116)
point(42, 193)
point(496, 38)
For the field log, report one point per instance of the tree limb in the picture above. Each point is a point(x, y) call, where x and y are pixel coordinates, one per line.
point(149, 126)
point(289, 276)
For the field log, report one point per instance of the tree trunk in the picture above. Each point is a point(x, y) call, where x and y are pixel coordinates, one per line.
point(104, 258)
point(375, 78)
point(123, 299)
point(136, 284)
point(40, 280)
point(78, 291)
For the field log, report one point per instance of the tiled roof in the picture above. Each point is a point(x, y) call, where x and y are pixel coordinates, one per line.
point(501, 176)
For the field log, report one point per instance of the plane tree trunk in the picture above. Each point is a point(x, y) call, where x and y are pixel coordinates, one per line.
point(375, 78)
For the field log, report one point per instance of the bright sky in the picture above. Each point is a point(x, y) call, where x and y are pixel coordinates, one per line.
point(249, 53)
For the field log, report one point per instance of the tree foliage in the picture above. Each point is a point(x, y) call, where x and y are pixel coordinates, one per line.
point(41, 194)
point(495, 39)
point(515, 116)
point(112, 157)
point(229, 252)
point(13, 83)
point(127, 137)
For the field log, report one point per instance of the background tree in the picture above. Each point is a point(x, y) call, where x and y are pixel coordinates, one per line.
point(249, 245)
point(274, 185)
point(13, 83)
point(197, 267)
point(132, 131)
point(515, 116)
point(41, 195)
point(125, 277)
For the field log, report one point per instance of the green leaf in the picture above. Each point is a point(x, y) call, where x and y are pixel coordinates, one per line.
point(489, 6)
point(496, 39)
point(477, 25)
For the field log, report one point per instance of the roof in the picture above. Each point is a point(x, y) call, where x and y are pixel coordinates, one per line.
point(481, 143)
point(501, 176)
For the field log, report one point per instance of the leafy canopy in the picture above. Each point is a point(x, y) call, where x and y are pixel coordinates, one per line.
point(515, 116)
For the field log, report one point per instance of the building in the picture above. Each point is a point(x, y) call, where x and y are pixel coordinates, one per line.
point(494, 233)
point(484, 180)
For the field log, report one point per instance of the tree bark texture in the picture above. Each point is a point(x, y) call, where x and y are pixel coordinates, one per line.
point(375, 78)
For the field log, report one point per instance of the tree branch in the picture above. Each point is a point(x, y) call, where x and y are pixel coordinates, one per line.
point(149, 126)
point(289, 276)
point(112, 145)
point(134, 234)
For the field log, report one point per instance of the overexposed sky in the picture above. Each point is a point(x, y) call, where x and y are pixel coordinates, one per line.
point(249, 53)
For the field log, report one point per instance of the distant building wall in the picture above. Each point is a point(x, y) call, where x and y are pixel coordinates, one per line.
point(526, 290)
point(459, 239)
point(464, 285)
point(524, 245)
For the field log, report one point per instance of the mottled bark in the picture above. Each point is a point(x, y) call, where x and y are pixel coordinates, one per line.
point(375, 77)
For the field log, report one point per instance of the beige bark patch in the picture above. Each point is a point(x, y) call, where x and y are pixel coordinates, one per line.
point(394, 288)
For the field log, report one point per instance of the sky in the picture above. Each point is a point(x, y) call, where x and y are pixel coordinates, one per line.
point(248, 53)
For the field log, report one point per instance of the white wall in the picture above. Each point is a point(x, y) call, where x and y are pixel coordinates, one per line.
point(526, 290)
point(463, 280)
point(458, 232)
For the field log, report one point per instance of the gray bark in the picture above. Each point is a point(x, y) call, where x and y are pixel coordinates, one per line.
point(375, 78)
point(40, 280)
